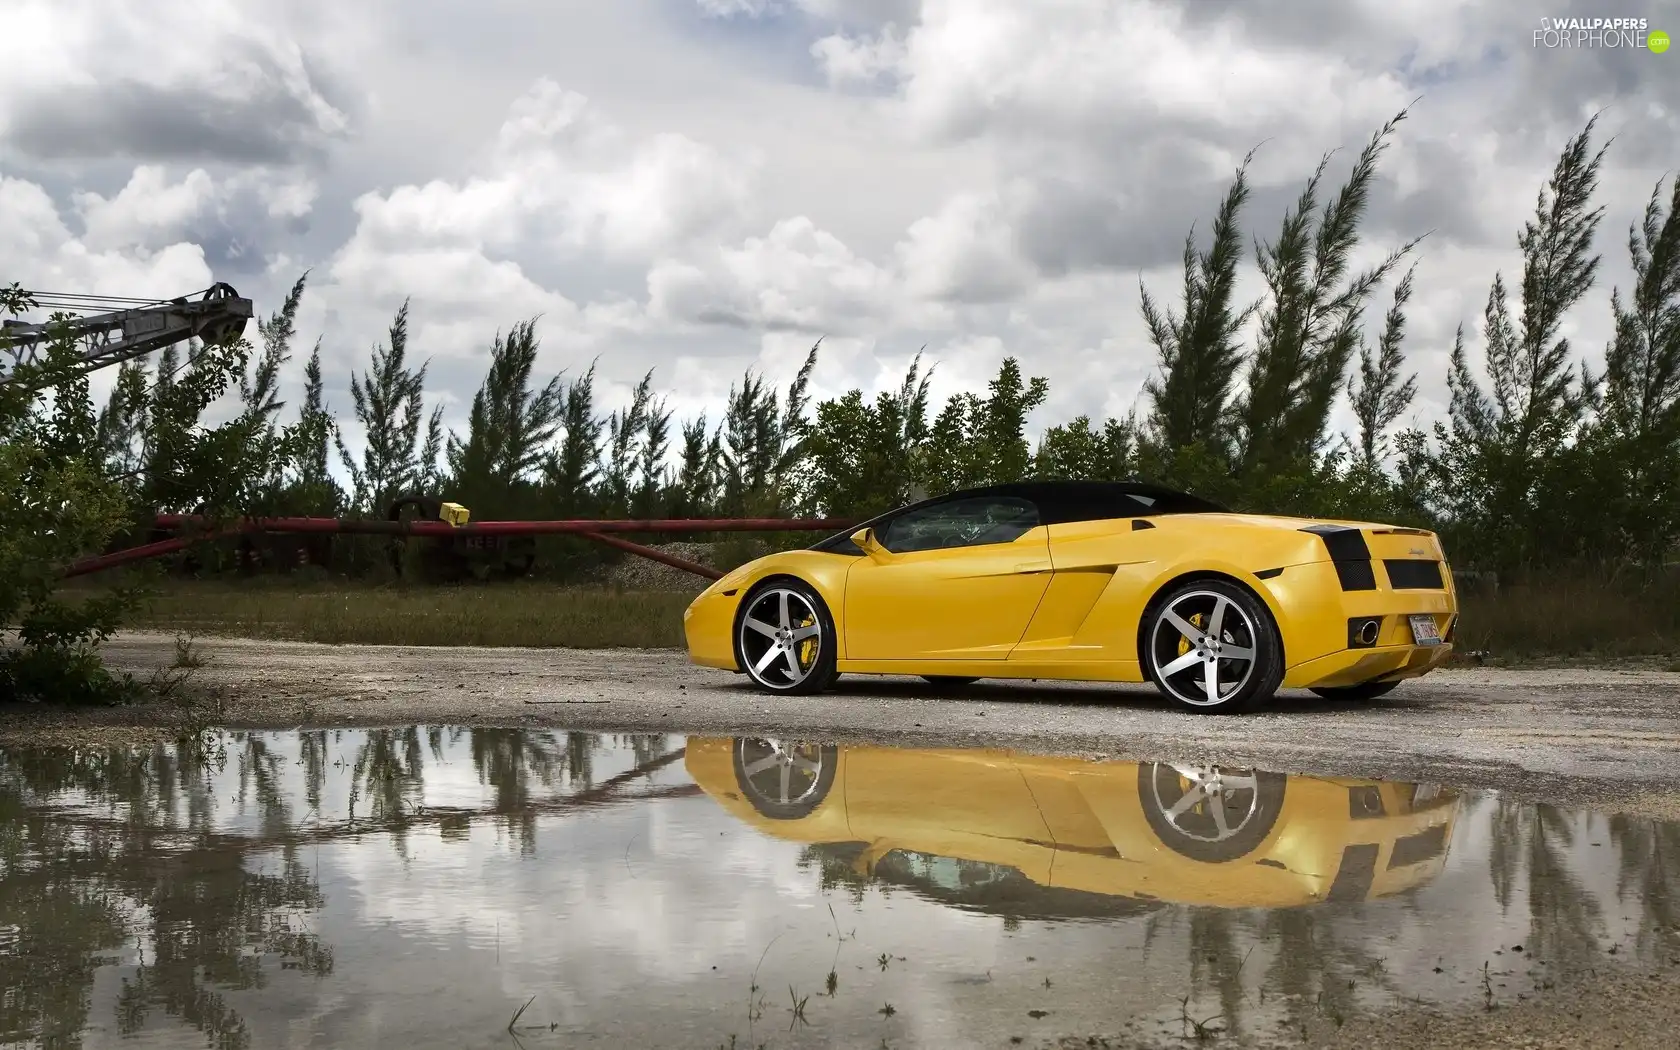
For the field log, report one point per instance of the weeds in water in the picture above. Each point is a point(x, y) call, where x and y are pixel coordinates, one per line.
point(887, 1010)
point(517, 1014)
point(1200, 1030)
point(755, 1002)
point(884, 960)
point(797, 1009)
point(1487, 986)
point(833, 981)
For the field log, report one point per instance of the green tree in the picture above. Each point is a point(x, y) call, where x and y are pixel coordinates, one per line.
point(861, 457)
point(1381, 395)
point(626, 429)
point(510, 427)
point(694, 491)
point(314, 490)
point(389, 404)
point(1199, 349)
point(64, 502)
point(1500, 453)
point(980, 441)
point(1638, 436)
point(1310, 324)
point(763, 441)
point(1078, 450)
point(570, 471)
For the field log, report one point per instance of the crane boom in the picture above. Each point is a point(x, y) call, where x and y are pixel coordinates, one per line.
point(218, 314)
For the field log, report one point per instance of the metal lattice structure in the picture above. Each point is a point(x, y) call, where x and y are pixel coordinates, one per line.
point(115, 329)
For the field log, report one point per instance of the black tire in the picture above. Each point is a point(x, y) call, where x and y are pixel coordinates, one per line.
point(759, 767)
point(1251, 801)
point(1362, 691)
point(951, 681)
point(1177, 665)
point(762, 610)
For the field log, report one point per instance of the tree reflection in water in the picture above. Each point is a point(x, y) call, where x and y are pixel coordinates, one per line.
point(185, 869)
point(119, 856)
point(1321, 961)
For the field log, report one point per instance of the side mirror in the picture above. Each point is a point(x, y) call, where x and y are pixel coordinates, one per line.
point(865, 540)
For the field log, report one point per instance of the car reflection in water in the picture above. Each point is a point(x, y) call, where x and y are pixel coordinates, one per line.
point(1044, 836)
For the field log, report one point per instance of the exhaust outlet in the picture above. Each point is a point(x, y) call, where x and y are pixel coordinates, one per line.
point(1363, 631)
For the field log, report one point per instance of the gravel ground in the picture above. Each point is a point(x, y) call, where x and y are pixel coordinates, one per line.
point(1588, 737)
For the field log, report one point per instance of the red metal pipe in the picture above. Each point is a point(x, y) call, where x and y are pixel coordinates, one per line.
point(589, 529)
point(653, 554)
point(378, 527)
point(130, 554)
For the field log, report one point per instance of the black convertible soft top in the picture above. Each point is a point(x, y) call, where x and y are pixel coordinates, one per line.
point(1059, 502)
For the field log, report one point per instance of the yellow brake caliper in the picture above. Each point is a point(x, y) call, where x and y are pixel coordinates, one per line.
point(808, 647)
point(1183, 642)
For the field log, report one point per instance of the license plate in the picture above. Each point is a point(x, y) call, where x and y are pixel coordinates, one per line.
point(1424, 630)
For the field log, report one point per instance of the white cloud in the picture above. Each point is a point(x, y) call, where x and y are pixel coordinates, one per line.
point(845, 59)
point(966, 251)
point(797, 276)
point(33, 232)
point(159, 80)
point(561, 174)
point(984, 179)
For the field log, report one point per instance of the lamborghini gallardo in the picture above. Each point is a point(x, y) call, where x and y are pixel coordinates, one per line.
point(1042, 832)
point(1090, 581)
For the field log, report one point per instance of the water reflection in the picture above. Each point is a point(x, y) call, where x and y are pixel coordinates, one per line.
point(966, 824)
point(418, 885)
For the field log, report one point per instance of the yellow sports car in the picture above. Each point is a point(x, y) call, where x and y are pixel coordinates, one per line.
point(1095, 581)
point(1041, 833)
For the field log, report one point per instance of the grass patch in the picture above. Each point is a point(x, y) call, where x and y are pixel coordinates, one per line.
point(1576, 618)
point(523, 613)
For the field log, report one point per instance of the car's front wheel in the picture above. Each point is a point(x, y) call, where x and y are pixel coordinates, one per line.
point(1362, 691)
point(1211, 646)
point(785, 638)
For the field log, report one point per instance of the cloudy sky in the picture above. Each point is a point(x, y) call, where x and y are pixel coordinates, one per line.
point(704, 186)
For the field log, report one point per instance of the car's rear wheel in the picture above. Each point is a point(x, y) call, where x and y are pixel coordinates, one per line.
point(1362, 691)
point(1211, 646)
point(785, 638)
point(1210, 813)
point(950, 681)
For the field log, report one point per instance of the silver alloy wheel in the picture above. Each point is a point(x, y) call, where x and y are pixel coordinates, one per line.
point(1217, 640)
point(784, 772)
point(780, 638)
point(1225, 795)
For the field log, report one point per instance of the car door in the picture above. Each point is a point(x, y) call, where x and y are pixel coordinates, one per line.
point(964, 804)
point(957, 580)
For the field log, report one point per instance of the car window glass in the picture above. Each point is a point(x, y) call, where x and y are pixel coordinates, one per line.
point(960, 523)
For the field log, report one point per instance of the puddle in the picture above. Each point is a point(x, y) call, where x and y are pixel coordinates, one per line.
point(426, 887)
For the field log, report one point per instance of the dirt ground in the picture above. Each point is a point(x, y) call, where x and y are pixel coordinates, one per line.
point(1601, 738)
